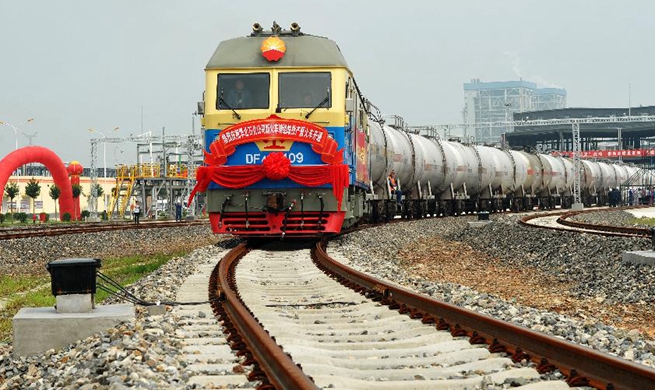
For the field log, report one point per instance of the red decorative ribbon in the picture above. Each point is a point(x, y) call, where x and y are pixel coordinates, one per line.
point(275, 167)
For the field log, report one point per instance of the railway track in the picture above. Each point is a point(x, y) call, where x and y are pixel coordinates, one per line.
point(562, 221)
point(306, 328)
point(41, 231)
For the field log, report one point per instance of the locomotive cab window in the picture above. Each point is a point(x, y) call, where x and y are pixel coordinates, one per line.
point(304, 90)
point(243, 91)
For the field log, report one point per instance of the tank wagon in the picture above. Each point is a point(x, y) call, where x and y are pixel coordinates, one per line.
point(441, 177)
point(291, 150)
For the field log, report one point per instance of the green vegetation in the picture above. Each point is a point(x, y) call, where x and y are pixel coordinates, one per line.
point(643, 221)
point(33, 190)
point(55, 193)
point(98, 190)
point(20, 291)
point(12, 190)
point(19, 283)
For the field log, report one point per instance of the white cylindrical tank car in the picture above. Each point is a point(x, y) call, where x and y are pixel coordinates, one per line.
point(451, 172)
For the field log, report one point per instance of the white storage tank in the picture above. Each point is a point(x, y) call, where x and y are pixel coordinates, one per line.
point(461, 169)
point(497, 170)
point(608, 175)
point(379, 155)
point(523, 174)
point(591, 177)
point(621, 174)
point(569, 172)
point(429, 166)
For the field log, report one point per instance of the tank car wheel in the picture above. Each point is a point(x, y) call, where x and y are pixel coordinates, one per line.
point(431, 208)
point(390, 211)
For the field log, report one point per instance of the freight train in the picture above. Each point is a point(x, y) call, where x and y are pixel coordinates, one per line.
point(291, 150)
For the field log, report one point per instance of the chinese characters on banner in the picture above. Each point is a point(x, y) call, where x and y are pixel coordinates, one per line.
point(636, 153)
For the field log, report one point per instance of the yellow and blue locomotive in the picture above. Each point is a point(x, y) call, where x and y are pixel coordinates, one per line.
point(285, 136)
point(289, 151)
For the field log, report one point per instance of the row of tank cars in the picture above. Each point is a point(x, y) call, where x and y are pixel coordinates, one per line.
point(439, 177)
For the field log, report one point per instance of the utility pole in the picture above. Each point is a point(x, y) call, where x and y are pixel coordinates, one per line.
point(577, 166)
point(30, 139)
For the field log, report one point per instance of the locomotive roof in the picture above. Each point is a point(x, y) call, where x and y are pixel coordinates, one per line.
point(302, 51)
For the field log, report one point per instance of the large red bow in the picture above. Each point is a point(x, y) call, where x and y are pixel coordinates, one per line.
point(276, 166)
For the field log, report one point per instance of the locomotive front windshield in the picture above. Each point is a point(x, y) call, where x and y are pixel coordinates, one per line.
point(304, 90)
point(243, 91)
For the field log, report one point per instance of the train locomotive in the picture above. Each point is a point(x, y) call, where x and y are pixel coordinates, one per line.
point(291, 150)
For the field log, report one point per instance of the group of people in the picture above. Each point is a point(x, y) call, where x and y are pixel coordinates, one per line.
point(136, 211)
point(614, 197)
point(643, 196)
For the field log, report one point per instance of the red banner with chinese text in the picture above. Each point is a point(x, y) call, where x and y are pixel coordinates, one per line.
point(273, 128)
point(628, 153)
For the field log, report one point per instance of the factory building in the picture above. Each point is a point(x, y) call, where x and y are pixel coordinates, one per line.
point(498, 101)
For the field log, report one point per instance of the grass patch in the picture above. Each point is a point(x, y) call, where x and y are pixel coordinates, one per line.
point(34, 291)
point(643, 221)
point(128, 270)
point(13, 284)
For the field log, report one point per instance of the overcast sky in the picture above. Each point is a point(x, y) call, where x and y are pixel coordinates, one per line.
point(78, 64)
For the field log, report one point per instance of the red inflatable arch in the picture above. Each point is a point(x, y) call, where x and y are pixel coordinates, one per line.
point(51, 161)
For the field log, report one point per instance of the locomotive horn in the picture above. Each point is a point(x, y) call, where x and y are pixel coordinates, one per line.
point(295, 28)
point(256, 28)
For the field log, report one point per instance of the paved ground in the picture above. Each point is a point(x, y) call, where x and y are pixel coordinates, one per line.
point(648, 212)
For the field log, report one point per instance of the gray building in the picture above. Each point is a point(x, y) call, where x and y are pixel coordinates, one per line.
point(498, 101)
point(630, 134)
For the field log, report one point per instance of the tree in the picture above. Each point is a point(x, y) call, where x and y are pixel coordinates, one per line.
point(55, 192)
point(98, 189)
point(11, 190)
point(77, 191)
point(33, 190)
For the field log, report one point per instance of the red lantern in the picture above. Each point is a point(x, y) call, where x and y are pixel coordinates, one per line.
point(75, 168)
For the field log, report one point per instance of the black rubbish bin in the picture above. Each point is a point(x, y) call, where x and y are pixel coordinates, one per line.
point(73, 276)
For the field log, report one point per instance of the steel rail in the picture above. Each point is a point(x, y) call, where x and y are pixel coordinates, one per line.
point(580, 364)
point(9, 234)
point(603, 230)
point(627, 230)
point(279, 368)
